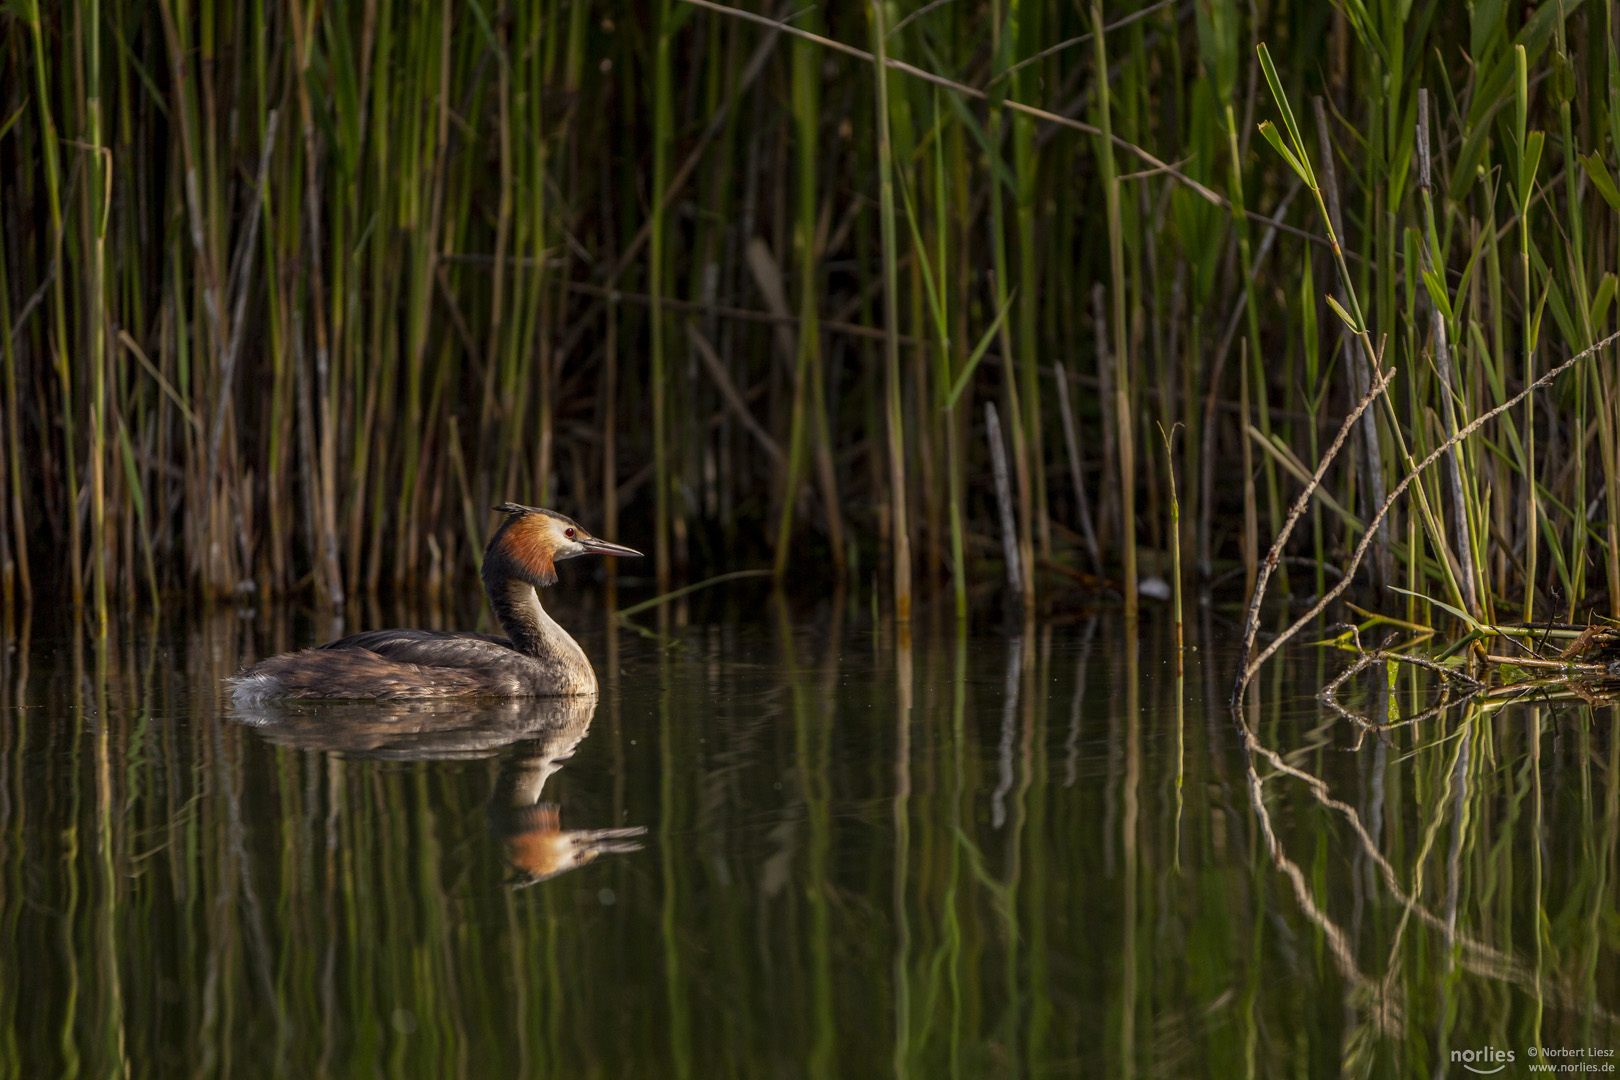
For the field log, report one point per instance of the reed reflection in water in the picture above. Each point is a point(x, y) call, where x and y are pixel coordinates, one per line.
point(1050, 851)
point(533, 736)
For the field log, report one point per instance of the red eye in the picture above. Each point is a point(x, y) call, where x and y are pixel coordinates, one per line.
point(568, 533)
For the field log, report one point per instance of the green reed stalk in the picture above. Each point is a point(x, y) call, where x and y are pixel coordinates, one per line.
point(1527, 157)
point(98, 197)
point(1174, 538)
point(17, 578)
point(1024, 35)
point(433, 69)
point(320, 410)
point(1580, 300)
point(950, 417)
point(895, 422)
point(663, 126)
point(807, 119)
point(543, 220)
point(1428, 266)
point(1251, 512)
point(353, 107)
point(59, 346)
point(1122, 351)
point(1299, 161)
point(19, 582)
point(1002, 42)
point(1315, 388)
point(934, 274)
point(1606, 376)
point(341, 196)
point(1257, 372)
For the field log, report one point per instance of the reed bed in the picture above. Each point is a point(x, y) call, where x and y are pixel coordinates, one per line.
point(290, 293)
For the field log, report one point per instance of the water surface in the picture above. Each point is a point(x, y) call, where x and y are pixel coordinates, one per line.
point(795, 843)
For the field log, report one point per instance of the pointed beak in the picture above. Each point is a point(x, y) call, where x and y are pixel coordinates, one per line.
point(593, 546)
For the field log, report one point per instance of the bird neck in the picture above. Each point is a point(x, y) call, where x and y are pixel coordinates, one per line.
point(555, 665)
point(531, 631)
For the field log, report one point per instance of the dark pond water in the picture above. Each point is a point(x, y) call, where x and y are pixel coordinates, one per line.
point(796, 844)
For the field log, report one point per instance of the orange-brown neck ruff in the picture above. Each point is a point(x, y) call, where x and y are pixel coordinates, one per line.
point(541, 817)
point(521, 548)
point(517, 562)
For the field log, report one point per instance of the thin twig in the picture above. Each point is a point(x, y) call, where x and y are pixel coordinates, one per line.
point(919, 13)
point(1081, 40)
point(238, 283)
point(963, 89)
point(731, 396)
point(163, 384)
point(743, 314)
point(33, 302)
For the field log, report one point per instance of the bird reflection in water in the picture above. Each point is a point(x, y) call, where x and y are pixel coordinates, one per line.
point(537, 735)
point(533, 841)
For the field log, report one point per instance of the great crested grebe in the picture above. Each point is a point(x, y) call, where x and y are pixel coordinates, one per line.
point(537, 658)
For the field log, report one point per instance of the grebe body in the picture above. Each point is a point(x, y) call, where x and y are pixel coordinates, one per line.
point(537, 658)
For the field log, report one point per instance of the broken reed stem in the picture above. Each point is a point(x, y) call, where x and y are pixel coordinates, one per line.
point(1247, 668)
point(1071, 441)
point(1004, 500)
